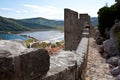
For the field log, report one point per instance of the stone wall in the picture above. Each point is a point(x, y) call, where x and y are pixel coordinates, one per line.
point(19, 63)
point(84, 19)
point(73, 28)
point(69, 65)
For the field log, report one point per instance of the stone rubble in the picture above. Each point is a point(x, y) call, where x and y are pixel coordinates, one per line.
point(111, 50)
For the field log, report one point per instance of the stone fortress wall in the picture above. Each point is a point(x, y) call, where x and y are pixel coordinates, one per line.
point(73, 28)
point(36, 64)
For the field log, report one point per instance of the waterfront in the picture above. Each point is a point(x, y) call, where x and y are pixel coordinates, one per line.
point(48, 35)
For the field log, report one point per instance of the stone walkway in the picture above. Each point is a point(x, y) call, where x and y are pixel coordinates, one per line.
point(97, 69)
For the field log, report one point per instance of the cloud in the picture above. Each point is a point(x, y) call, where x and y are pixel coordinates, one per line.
point(11, 10)
point(21, 11)
point(6, 9)
point(30, 11)
point(45, 11)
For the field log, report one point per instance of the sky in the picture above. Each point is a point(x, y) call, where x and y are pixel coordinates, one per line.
point(50, 9)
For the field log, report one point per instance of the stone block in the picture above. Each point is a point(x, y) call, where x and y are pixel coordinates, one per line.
point(24, 64)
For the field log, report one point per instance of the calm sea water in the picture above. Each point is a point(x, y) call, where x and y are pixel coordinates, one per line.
point(40, 35)
point(6, 36)
point(46, 35)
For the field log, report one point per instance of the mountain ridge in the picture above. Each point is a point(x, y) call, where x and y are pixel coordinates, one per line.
point(10, 24)
point(29, 24)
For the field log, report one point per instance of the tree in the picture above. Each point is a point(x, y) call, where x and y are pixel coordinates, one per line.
point(118, 1)
point(106, 18)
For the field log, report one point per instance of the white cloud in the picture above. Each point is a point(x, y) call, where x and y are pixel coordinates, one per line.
point(30, 11)
point(14, 11)
point(21, 11)
point(6, 9)
point(45, 11)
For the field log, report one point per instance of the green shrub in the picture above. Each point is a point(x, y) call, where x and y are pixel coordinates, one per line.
point(58, 43)
point(27, 42)
point(44, 45)
point(106, 18)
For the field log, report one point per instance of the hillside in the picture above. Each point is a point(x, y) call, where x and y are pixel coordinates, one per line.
point(94, 21)
point(10, 25)
point(43, 21)
point(32, 25)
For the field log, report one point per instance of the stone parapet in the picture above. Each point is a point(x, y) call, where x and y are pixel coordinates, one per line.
point(69, 65)
point(20, 63)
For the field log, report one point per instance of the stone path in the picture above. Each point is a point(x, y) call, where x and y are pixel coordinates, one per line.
point(97, 69)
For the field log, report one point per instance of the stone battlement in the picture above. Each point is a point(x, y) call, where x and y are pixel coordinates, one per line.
point(73, 28)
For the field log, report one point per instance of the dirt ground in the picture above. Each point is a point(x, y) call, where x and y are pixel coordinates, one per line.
point(97, 68)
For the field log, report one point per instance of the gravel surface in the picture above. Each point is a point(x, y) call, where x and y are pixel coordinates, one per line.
point(97, 68)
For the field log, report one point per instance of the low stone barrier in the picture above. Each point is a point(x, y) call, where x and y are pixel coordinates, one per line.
point(19, 63)
point(33, 64)
point(69, 65)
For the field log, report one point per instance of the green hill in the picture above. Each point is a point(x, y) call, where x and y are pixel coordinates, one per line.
point(43, 21)
point(32, 25)
point(10, 25)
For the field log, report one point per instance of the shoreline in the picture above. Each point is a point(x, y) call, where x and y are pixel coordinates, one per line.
point(26, 35)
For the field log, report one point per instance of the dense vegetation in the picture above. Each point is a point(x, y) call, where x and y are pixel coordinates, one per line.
point(43, 21)
point(107, 17)
point(8, 24)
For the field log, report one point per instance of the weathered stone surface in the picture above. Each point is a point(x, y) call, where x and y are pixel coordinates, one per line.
point(99, 40)
point(69, 65)
point(73, 28)
point(34, 64)
point(101, 49)
point(111, 50)
point(113, 60)
point(85, 20)
point(118, 77)
point(14, 47)
point(105, 55)
point(115, 71)
point(6, 68)
point(63, 66)
point(119, 62)
point(111, 45)
point(19, 63)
